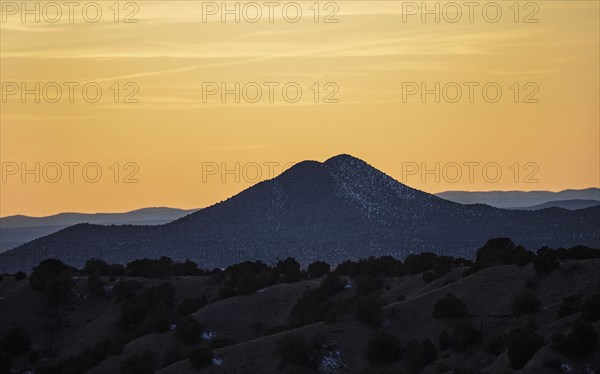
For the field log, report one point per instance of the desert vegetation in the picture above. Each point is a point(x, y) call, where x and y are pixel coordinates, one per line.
point(358, 308)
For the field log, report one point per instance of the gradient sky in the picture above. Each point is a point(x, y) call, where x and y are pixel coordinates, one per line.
point(171, 133)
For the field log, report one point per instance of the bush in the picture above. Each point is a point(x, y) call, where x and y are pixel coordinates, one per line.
point(501, 251)
point(296, 349)
point(126, 290)
point(318, 269)
point(15, 341)
point(418, 355)
point(449, 307)
point(290, 269)
point(20, 275)
point(95, 284)
point(525, 303)
point(173, 354)
point(581, 340)
point(590, 309)
point(367, 285)
point(188, 330)
point(143, 363)
point(96, 266)
point(465, 335)
point(545, 263)
point(226, 292)
point(383, 347)
point(428, 276)
point(368, 310)
point(151, 268)
point(106, 347)
point(53, 277)
point(332, 284)
point(495, 345)
point(385, 266)
point(159, 320)
point(200, 357)
point(570, 305)
point(522, 345)
point(416, 263)
point(444, 340)
point(190, 305)
point(5, 363)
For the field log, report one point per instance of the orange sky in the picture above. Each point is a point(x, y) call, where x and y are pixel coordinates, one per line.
point(375, 52)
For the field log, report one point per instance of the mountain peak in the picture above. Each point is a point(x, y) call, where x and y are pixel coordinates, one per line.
point(342, 158)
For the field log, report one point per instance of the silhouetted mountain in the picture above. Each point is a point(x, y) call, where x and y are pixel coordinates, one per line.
point(19, 229)
point(515, 199)
point(336, 210)
point(564, 204)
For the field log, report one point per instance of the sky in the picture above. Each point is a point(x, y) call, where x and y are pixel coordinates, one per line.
point(152, 103)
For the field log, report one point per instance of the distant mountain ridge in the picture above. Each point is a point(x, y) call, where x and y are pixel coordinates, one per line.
point(564, 204)
point(518, 199)
point(19, 229)
point(339, 209)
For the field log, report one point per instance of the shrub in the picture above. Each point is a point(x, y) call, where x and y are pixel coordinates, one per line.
point(522, 345)
point(590, 309)
point(190, 305)
point(200, 357)
point(464, 335)
point(53, 277)
point(226, 292)
point(296, 349)
point(173, 354)
point(524, 303)
point(545, 263)
point(442, 265)
point(139, 363)
point(367, 286)
point(318, 269)
point(96, 266)
point(383, 347)
point(368, 310)
point(500, 251)
point(160, 295)
point(581, 340)
point(444, 340)
point(428, 276)
point(290, 268)
point(151, 268)
point(5, 363)
point(159, 320)
point(449, 307)
point(106, 347)
point(188, 330)
point(95, 284)
point(386, 266)
point(331, 317)
point(126, 290)
point(15, 341)
point(570, 305)
point(495, 345)
point(416, 263)
point(332, 284)
point(20, 275)
point(417, 355)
